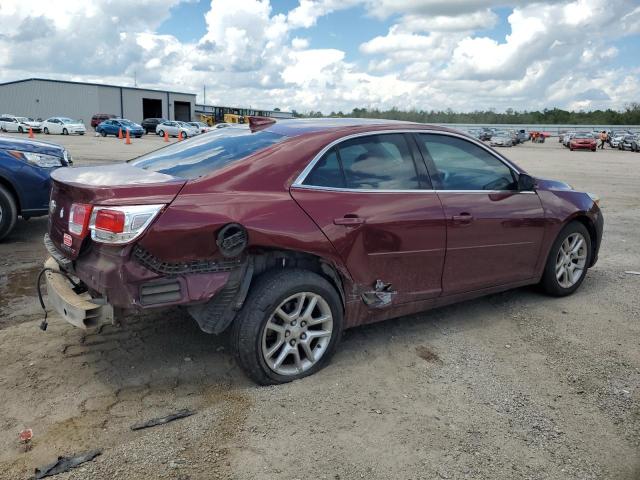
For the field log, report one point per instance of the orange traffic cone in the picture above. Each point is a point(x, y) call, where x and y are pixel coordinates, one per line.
point(128, 140)
point(166, 137)
point(179, 136)
point(120, 133)
point(30, 132)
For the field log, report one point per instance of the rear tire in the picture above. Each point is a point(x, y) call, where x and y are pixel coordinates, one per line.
point(287, 290)
point(8, 212)
point(554, 282)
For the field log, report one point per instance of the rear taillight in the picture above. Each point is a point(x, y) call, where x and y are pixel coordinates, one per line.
point(110, 220)
point(79, 219)
point(119, 225)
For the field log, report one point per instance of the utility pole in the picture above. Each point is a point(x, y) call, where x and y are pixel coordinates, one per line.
point(204, 95)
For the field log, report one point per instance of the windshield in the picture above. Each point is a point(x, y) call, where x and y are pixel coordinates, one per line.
point(583, 135)
point(206, 153)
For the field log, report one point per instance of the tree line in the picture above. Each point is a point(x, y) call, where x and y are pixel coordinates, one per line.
point(629, 116)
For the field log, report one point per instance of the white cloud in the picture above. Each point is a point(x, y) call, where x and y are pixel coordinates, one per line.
point(556, 52)
point(300, 43)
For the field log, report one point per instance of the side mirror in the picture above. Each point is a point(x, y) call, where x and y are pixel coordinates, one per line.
point(526, 182)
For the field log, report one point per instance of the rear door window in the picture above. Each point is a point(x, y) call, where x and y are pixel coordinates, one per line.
point(372, 162)
point(207, 153)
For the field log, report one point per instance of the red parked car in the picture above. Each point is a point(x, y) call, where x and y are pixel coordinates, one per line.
point(98, 118)
point(582, 141)
point(288, 233)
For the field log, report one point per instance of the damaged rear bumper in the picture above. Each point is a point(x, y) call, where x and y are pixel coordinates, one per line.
point(80, 310)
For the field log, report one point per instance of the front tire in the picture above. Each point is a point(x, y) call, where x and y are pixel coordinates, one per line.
point(65, 131)
point(8, 212)
point(20, 130)
point(46, 131)
point(568, 261)
point(289, 327)
point(103, 133)
point(161, 133)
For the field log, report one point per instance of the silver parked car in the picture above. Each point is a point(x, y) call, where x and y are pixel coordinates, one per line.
point(174, 128)
point(501, 138)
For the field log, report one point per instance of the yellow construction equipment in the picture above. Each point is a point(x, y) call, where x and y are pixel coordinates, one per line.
point(208, 119)
point(233, 118)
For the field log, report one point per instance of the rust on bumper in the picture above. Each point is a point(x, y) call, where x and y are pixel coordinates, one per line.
point(80, 310)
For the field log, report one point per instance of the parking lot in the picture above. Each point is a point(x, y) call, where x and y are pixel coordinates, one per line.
point(514, 385)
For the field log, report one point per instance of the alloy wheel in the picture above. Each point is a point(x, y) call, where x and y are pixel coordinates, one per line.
point(571, 260)
point(297, 334)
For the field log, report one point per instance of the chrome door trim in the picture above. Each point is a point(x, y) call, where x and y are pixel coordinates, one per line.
point(298, 182)
point(374, 190)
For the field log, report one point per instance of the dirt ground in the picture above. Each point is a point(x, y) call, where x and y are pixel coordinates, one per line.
point(512, 386)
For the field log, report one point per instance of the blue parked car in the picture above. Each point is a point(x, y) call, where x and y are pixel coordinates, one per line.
point(113, 125)
point(25, 168)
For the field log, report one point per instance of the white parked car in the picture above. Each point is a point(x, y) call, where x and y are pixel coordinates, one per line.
point(174, 128)
point(11, 123)
point(201, 126)
point(63, 125)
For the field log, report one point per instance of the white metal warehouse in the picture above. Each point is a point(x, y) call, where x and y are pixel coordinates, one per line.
point(43, 98)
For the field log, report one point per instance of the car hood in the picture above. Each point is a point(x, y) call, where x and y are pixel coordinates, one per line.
point(32, 124)
point(22, 145)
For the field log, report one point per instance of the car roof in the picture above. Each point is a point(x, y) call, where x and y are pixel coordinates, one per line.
point(301, 126)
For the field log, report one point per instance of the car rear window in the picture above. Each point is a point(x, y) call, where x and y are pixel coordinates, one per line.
point(206, 153)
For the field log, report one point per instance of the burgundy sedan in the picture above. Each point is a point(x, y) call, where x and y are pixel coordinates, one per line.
point(582, 141)
point(286, 233)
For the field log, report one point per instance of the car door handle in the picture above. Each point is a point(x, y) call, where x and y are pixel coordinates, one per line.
point(463, 218)
point(349, 220)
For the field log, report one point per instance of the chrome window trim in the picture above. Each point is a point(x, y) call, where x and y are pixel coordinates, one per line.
point(426, 190)
point(298, 182)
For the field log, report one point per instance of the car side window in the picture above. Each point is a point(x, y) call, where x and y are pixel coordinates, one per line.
point(462, 165)
point(373, 162)
point(378, 162)
point(327, 172)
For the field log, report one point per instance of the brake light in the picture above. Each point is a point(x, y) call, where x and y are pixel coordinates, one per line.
point(79, 219)
point(110, 221)
point(120, 225)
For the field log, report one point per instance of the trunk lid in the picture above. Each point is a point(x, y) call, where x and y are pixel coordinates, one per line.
point(108, 185)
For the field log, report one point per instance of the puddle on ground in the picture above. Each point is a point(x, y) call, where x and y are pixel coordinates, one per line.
point(427, 355)
point(14, 286)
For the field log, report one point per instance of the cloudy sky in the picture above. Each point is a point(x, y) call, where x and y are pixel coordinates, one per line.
point(338, 54)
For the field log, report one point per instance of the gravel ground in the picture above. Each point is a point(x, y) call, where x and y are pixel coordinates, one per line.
point(514, 385)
